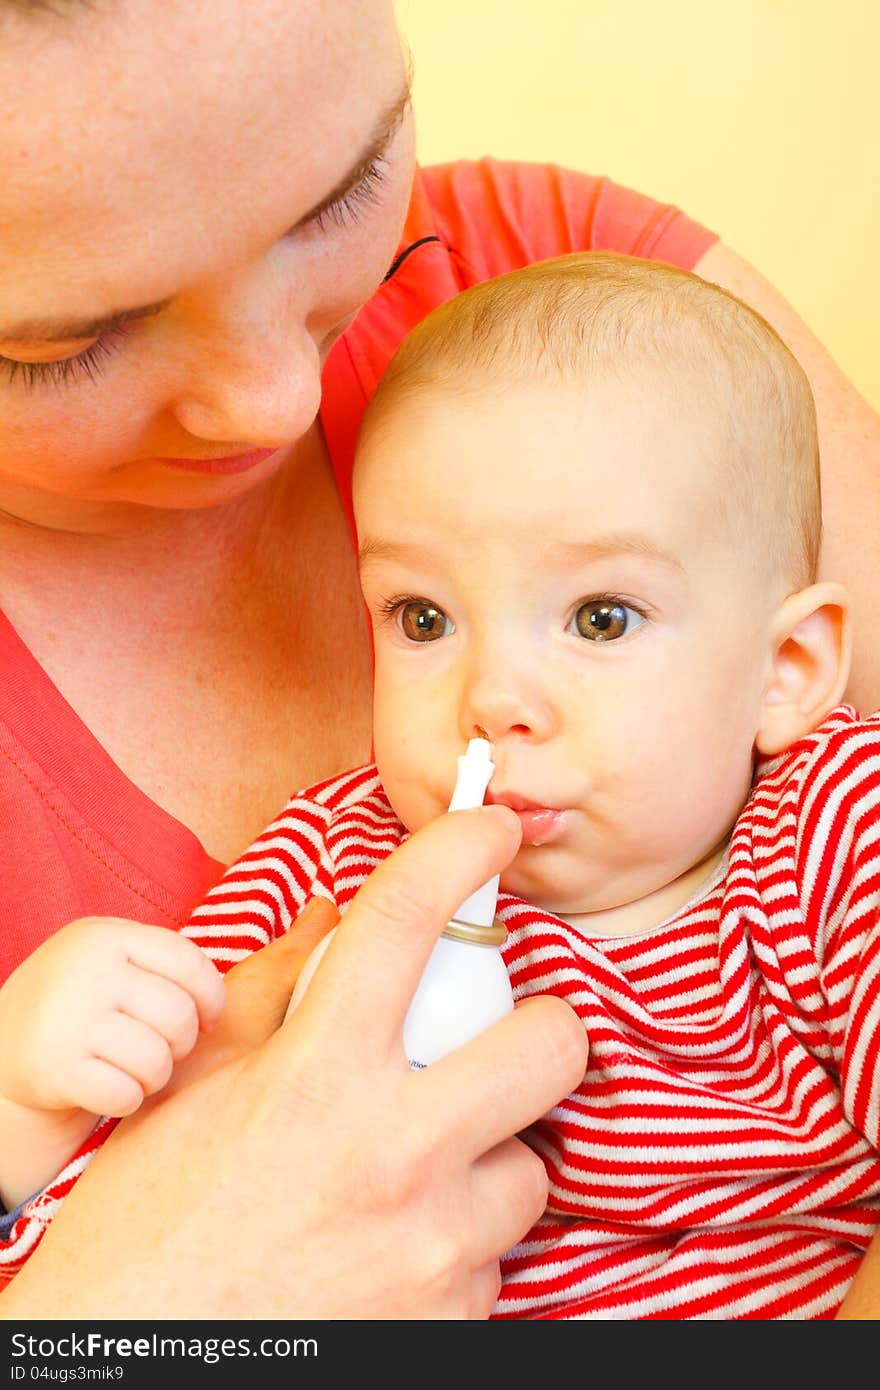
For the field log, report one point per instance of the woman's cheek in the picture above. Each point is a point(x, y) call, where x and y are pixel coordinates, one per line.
point(70, 441)
point(363, 254)
point(88, 414)
point(54, 444)
point(342, 284)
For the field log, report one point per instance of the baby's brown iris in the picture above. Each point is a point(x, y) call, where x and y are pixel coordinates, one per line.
point(601, 620)
point(421, 622)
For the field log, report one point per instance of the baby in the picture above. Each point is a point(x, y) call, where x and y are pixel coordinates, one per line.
point(588, 509)
point(587, 501)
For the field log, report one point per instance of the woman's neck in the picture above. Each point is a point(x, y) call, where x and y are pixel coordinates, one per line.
point(221, 659)
point(118, 556)
point(141, 552)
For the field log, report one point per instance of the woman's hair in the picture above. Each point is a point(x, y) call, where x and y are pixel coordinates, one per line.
point(58, 7)
point(51, 9)
point(579, 317)
point(16, 14)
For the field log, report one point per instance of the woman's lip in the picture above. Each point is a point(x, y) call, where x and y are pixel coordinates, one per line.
point(229, 463)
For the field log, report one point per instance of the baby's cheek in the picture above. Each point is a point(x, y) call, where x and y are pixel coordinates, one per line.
point(404, 788)
point(413, 808)
point(408, 772)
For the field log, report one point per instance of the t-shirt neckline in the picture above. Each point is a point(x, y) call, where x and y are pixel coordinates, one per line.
point(78, 766)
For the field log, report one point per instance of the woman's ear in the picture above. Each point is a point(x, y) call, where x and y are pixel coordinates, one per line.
point(808, 665)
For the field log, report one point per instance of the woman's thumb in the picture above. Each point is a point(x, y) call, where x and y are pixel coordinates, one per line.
point(258, 990)
point(259, 987)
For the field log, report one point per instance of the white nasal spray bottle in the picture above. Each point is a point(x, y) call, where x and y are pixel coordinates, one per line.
point(465, 986)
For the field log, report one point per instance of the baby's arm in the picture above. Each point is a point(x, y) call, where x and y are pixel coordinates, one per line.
point(90, 1024)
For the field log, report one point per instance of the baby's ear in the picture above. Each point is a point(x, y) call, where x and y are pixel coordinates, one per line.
point(808, 665)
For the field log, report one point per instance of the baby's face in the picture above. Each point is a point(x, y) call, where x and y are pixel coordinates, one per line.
point(551, 565)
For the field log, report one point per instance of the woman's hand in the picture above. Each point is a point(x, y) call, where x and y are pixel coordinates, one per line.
point(313, 1175)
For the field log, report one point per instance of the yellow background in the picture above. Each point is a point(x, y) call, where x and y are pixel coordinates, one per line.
point(760, 118)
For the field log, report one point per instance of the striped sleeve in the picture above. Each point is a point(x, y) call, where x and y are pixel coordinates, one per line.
point(24, 1231)
point(261, 895)
point(839, 862)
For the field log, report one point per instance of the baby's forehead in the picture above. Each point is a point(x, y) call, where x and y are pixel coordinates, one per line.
point(722, 403)
point(678, 396)
point(549, 449)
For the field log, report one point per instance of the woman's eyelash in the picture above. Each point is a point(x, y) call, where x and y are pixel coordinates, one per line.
point(66, 370)
point(348, 209)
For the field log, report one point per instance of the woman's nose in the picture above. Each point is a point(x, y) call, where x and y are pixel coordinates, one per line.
point(507, 703)
point(252, 372)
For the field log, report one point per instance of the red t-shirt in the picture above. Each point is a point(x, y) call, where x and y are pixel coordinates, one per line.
point(78, 837)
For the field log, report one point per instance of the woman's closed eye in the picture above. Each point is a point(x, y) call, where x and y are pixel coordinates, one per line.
point(347, 210)
point(418, 619)
point(87, 363)
point(605, 618)
point(65, 369)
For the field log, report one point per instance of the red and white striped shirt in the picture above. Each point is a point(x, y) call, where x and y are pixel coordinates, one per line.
point(720, 1158)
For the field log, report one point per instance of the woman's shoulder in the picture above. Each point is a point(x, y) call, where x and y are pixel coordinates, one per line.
point(497, 215)
point(471, 220)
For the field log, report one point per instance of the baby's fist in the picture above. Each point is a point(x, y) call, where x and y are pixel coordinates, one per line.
point(99, 1014)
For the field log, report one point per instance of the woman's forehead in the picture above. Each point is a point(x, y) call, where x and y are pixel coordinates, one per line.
point(132, 129)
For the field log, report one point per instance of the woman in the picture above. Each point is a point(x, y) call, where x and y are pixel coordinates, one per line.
point(187, 227)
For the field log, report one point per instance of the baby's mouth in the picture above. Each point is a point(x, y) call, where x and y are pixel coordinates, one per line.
point(541, 825)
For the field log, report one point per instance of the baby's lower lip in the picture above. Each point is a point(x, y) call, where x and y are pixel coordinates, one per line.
point(541, 826)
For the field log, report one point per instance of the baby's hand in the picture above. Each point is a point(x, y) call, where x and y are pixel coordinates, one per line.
point(99, 1014)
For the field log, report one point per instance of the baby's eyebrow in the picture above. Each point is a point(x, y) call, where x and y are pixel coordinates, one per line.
point(619, 543)
point(374, 548)
point(73, 329)
point(574, 553)
point(378, 549)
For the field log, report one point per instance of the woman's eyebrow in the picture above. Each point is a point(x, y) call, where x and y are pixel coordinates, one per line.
point(72, 330)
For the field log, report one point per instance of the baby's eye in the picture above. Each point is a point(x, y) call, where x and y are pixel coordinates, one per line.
point(422, 622)
point(605, 619)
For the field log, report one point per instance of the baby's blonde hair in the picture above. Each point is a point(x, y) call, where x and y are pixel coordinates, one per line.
point(578, 316)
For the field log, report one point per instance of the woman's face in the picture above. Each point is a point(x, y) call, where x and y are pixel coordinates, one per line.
point(221, 184)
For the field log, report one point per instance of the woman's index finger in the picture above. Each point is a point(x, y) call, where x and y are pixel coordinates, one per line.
point(504, 1080)
point(369, 974)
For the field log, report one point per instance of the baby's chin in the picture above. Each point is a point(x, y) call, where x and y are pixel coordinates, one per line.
point(538, 874)
point(555, 879)
point(634, 899)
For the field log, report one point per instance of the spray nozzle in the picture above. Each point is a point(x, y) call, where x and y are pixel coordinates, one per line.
point(475, 768)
